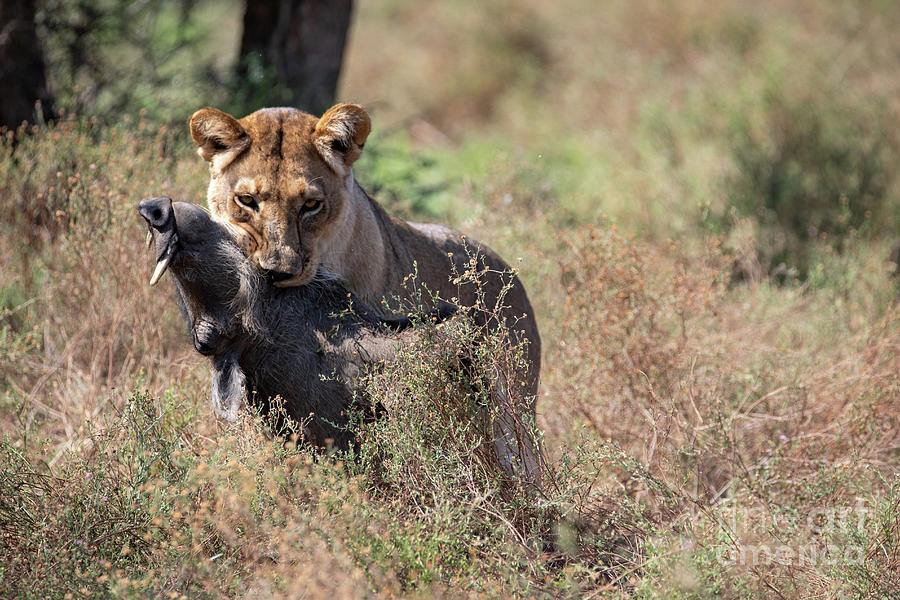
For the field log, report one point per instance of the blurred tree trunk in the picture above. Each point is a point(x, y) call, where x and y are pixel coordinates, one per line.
point(302, 41)
point(22, 77)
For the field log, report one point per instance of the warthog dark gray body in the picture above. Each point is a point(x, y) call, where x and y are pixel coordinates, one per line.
point(307, 344)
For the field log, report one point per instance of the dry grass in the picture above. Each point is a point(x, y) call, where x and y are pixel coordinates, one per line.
point(74, 292)
point(707, 435)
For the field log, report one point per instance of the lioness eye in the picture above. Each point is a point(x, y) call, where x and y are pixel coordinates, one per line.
point(311, 206)
point(247, 201)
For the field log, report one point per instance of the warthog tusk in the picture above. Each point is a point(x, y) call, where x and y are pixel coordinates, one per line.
point(161, 268)
point(149, 239)
point(164, 260)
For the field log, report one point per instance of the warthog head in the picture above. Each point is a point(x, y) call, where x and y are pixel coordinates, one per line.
point(307, 344)
point(216, 287)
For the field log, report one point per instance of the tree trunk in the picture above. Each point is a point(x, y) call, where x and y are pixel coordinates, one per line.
point(303, 42)
point(22, 78)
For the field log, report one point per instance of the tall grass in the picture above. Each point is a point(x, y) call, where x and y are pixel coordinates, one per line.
point(709, 430)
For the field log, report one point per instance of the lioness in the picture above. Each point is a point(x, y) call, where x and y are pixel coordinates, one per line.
point(283, 180)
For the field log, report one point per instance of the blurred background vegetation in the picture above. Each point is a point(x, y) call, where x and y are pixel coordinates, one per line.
point(700, 196)
point(773, 121)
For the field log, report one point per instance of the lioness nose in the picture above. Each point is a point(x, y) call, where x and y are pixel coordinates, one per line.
point(156, 211)
point(279, 275)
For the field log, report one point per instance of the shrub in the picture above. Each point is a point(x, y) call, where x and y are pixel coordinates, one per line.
point(632, 312)
point(82, 527)
point(406, 182)
point(811, 164)
point(112, 57)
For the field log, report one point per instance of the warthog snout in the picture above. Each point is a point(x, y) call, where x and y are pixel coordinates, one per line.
point(160, 217)
point(157, 212)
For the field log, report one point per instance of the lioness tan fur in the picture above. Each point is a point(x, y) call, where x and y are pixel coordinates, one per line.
point(283, 179)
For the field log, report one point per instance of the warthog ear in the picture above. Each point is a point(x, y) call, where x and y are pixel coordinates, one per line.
point(217, 133)
point(341, 134)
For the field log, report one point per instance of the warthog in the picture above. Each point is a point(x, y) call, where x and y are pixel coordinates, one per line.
point(309, 344)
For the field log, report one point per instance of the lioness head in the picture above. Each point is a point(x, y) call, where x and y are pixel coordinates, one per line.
point(281, 179)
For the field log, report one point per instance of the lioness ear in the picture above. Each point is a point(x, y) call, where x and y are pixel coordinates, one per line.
point(215, 132)
point(341, 134)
